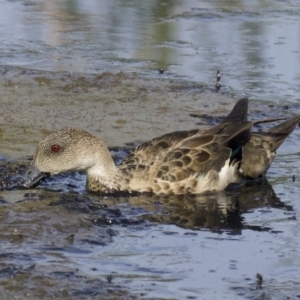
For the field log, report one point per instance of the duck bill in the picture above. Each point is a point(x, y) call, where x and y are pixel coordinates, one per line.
point(33, 177)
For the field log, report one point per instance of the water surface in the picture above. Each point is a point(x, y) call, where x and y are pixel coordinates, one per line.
point(254, 44)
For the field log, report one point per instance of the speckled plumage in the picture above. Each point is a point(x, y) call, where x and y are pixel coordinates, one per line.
point(177, 163)
point(182, 162)
point(193, 161)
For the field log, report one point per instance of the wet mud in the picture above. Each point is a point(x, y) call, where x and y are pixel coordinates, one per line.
point(121, 108)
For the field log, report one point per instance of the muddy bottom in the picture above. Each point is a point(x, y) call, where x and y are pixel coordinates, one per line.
point(61, 242)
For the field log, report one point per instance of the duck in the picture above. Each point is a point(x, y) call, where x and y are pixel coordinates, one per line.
point(182, 162)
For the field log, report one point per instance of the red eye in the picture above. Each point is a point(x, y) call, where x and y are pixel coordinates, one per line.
point(55, 148)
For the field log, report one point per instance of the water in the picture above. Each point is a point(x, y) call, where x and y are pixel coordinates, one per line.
point(255, 44)
point(94, 64)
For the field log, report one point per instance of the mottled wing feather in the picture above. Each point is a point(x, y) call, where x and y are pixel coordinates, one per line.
point(198, 154)
point(179, 155)
point(233, 135)
point(183, 163)
point(147, 152)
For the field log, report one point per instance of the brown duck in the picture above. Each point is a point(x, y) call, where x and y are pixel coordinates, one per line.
point(182, 162)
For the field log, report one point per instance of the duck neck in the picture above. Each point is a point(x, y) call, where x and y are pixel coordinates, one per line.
point(104, 177)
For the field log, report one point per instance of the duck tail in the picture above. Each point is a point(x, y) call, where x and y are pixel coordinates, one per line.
point(279, 133)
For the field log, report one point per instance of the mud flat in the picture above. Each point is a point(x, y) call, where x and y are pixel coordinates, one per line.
point(120, 107)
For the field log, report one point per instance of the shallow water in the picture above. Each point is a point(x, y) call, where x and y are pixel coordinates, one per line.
point(94, 65)
point(254, 44)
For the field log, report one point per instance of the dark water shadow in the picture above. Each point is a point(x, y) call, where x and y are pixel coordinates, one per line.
point(218, 212)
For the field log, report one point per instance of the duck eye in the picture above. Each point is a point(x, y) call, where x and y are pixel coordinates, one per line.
point(55, 148)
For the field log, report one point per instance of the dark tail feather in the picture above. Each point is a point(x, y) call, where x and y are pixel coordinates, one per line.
point(279, 133)
point(238, 138)
point(239, 112)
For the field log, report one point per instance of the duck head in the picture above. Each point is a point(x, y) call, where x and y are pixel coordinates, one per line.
point(68, 150)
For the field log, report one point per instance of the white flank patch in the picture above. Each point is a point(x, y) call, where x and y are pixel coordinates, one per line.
point(212, 181)
point(228, 174)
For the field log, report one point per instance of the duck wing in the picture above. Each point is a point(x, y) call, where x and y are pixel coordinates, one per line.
point(148, 151)
point(238, 112)
point(176, 156)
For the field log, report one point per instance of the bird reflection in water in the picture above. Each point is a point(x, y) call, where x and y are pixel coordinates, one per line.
point(217, 212)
